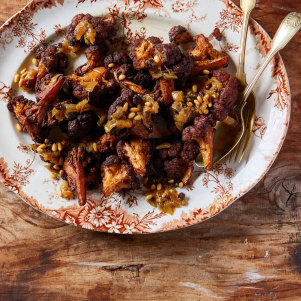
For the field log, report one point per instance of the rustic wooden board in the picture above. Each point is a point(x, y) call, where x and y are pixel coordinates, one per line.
point(251, 251)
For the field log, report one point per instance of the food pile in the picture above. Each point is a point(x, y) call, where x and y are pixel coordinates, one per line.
point(125, 118)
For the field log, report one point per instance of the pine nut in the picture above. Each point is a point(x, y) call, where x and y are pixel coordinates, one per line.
point(135, 110)
point(19, 127)
point(131, 115)
point(54, 147)
point(149, 197)
point(121, 77)
point(35, 62)
point(17, 78)
point(59, 146)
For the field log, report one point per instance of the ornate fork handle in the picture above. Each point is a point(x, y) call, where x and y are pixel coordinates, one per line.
point(246, 6)
point(290, 25)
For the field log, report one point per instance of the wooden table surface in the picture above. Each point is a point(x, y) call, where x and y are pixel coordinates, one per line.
point(251, 251)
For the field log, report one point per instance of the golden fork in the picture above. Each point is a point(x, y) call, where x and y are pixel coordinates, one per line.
point(290, 25)
point(230, 138)
point(247, 110)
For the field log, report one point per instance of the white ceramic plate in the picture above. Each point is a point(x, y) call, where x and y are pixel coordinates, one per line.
point(212, 191)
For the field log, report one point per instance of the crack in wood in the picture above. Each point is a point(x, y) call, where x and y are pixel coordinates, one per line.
point(126, 267)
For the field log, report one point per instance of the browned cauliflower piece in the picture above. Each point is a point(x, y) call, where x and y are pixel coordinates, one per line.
point(137, 151)
point(202, 132)
point(140, 123)
point(85, 29)
point(117, 58)
point(94, 55)
point(142, 52)
point(216, 34)
point(228, 97)
point(74, 169)
point(46, 99)
point(117, 175)
point(206, 57)
point(175, 160)
point(106, 142)
point(183, 69)
point(51, 60)
point(167, 86)
point(33, 116)
point(19, 106)
point(94, 85)
point(179, 34)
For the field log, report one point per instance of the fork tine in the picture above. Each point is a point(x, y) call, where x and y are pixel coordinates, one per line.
point(249, 128)
point(246, 114)
point(238, 148)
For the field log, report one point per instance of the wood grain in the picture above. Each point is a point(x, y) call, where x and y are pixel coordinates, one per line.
point(251, 251)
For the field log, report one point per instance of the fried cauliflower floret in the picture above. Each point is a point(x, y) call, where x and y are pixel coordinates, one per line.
point(137, 152)
point(106, 142)
point(183, 69)
point(139, 80)
point(19, 106)
point(46, 99)
point(202, 132)
point(179, 34)
point(169, 54)
point(142, 52)
point(33, 116)
point(125, 75)
point(94, 55)
point(167, 86)
point(190, 151)
point(206, 57)
point(226, 100)
point(143, 126)
point(176, 161)
point(201, 125)
point(43, 82)
point(117, 175)
point(51, 60)
point(144, 79)
point(74, 169)
point(93, 85)
point(81, 126)
point(117, 58)
point(85, 29)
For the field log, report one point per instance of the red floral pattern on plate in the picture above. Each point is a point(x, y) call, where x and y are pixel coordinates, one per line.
point(259, 127)
point(25, 30)
point(22, 27)
point(281, 92)
point(230, 17)
point(189, 6)
point(228, 47)
point(17, 176)
point(5, 92)
point(107, 215)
